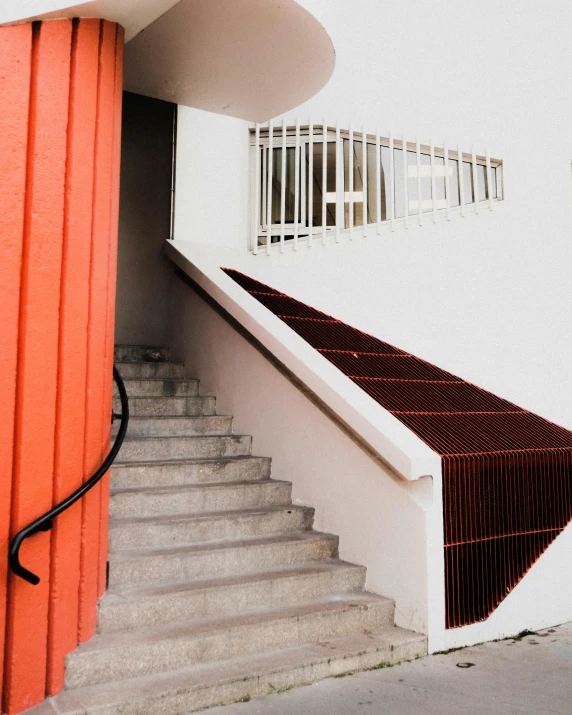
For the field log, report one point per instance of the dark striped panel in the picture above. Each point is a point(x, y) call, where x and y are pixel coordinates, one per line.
point(507, 473)
point(408, 396)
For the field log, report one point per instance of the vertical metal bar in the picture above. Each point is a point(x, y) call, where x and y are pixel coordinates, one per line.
point(447, 180)
point(339, 154)
point(264, 182)
point(310, 183)
point(378, 182)
point(405, 184)
point(488, 186)
point(283, 187)
point(324, 178)
point(296, 183)
point(461, 179)
point(419, 184)
point(351, 182)
point(475, 181)
point(269, 190)
point(364, 180)
point(391, 183)
point(303, 193)
point(256, 209)
point(433, 186)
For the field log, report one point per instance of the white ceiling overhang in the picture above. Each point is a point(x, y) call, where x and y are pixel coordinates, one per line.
point(252, 59)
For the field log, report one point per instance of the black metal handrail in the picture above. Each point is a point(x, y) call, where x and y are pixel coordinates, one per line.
point(45, 522)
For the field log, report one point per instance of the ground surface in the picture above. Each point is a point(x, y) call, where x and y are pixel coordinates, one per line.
point(511, 677)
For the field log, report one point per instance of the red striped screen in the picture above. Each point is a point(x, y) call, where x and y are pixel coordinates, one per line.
point(507, 473)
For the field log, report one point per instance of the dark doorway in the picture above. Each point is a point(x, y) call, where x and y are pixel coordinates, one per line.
point(145, 218)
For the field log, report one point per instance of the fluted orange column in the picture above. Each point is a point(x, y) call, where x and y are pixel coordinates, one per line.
point(61, 85)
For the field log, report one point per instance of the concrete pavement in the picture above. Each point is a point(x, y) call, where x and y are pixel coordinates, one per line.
point(530, 675)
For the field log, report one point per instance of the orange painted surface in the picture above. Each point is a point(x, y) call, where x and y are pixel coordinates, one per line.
point(97, 429)
point(37, 360)
point(112, 273)
point(64, 596)
point(15, 64)
point(59, 157)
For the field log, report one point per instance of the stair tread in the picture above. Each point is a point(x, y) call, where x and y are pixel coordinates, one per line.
point(205, 515)
point(124, 594)
point(140, 438)
point(251, 667)
point(269, 540)
point(148, 362)
point(178, 417)
point(192, 486)
point(333, 603)
point(186, 460)
point(133, 378)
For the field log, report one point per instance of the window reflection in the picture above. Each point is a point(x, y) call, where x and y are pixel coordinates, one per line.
point(379, 191)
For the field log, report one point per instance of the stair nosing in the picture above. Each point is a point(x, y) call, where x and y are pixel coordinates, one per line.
point(121, 555)
point(206, 515)
point(137, 438)
point(200, 627)
point(198, 486)
point(216, 673)
point(142, 592)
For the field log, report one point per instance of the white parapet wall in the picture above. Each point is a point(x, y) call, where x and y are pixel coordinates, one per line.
point(371, 481)
point(380, 494)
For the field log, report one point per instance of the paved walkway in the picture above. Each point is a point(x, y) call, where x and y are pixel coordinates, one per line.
point(532, 675)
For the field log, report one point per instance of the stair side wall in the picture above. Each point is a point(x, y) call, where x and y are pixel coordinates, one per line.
point(381, 520)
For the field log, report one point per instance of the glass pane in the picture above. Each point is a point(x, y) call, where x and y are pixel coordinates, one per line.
point(440, 195)
point(398, 183)
point(356, 167)
point(277, 185)
point(482, 182)
point(454, 182)
point(317, 181)
point(372, 189)
point(425, 160)
point(468, 189)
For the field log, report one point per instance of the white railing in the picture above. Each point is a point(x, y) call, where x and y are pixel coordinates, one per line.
point(314, 183)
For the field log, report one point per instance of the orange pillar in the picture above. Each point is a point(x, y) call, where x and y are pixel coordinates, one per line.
point(60, 81)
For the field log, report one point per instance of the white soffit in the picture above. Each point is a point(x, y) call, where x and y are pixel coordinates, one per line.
point(134, 15)
point(251, 59)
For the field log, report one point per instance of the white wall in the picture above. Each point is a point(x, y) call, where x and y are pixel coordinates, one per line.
point(488, 296)
point(212, 178)
point(382, 521)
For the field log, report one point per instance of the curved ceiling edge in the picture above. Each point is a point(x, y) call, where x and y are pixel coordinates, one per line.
point(251, 59)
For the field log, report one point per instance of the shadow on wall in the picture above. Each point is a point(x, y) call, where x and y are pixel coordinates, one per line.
point(144, 275)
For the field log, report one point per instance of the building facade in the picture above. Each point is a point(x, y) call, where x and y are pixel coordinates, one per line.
point(389, 192)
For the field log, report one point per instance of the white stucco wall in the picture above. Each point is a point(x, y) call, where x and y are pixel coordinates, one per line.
point(381, 520)
point(488, 296)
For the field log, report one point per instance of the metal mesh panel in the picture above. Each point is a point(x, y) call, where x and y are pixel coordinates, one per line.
point(507, 473)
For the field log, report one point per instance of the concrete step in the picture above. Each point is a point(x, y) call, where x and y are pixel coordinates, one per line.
point(178, 530)
point(141, 353)
point(135, 607)
point(156, 649)
point(194, 688)
point(162, 448)
point(150, 369)
point(176, 426)
point(133, 567)
point(189, 471)
point(194, 498)
point(168, 406)
point(160, 387)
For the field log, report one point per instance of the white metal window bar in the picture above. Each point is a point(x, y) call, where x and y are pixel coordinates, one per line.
point(312, 180)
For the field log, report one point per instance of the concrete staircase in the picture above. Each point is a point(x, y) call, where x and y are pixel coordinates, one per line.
point(219, 590)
